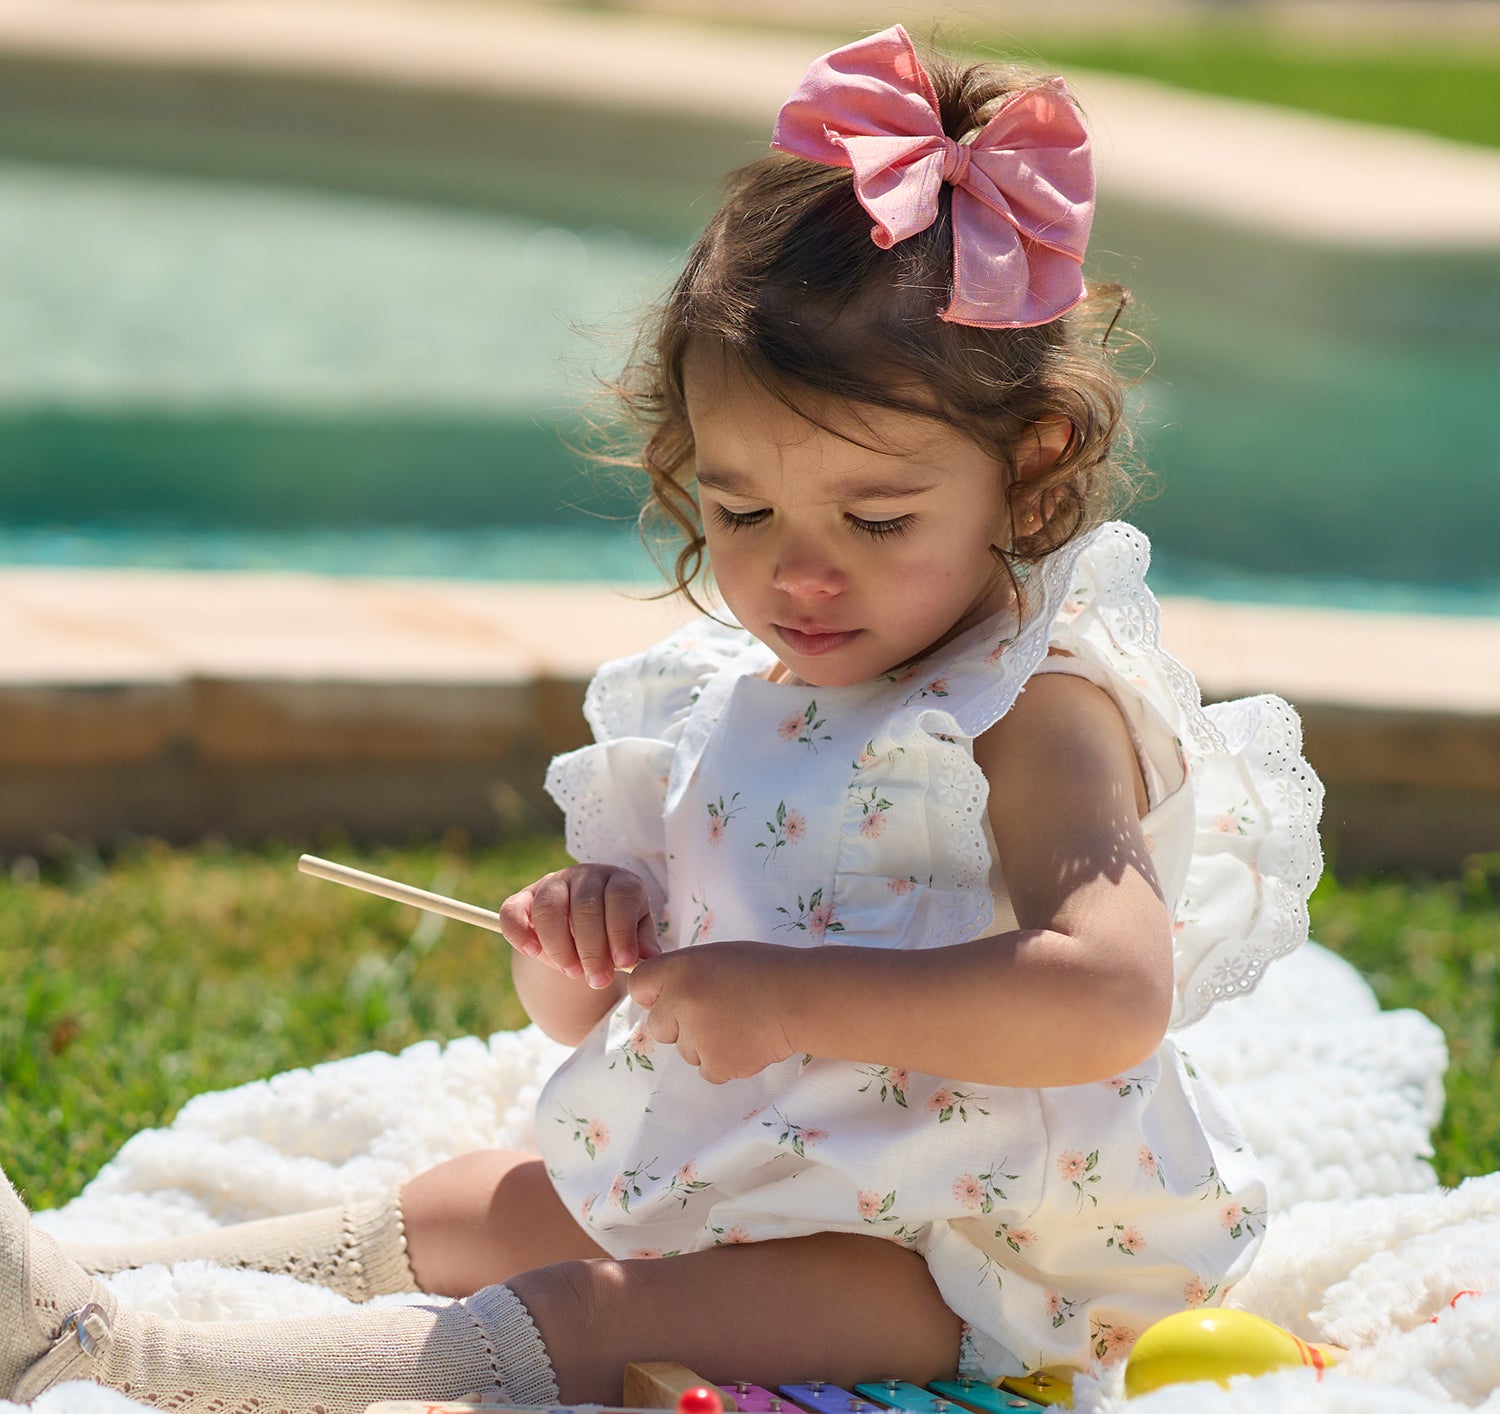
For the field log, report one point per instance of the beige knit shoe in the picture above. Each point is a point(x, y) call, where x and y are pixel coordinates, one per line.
point(46, 1303)
point(57, 1324)
point(358, 1250)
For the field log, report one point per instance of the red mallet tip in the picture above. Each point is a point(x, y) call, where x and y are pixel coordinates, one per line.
point(700, 1400)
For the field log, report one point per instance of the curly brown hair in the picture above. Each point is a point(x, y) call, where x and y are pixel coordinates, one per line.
point(786, 280)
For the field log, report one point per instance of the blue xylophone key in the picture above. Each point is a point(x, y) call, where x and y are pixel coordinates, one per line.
point(823, 1398)
point(757, 1399)
point(977, 1394)
point(913, 1399)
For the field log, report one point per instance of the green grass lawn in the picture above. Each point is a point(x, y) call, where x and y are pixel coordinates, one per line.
point(129, 988)
point(1453, 94)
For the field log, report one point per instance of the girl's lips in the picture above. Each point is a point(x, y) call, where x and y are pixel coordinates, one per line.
point(813, 645)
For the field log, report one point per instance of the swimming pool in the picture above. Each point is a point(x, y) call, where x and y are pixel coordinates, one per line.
point(219, 373)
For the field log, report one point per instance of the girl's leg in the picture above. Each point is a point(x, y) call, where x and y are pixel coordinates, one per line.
point(837, 1307)
point(57, 1323)
point(481, 1218)
point(461, 1226)
point(358, 1250)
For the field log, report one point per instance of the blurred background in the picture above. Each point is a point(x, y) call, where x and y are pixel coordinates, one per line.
point(330, 286)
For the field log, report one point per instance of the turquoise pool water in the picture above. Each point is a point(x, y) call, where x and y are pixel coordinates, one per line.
point(220, 375)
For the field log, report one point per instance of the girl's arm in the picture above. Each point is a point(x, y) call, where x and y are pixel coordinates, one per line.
point(1080, 992)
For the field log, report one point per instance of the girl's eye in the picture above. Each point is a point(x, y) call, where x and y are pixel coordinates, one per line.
point(738, 520)
point(880, 529)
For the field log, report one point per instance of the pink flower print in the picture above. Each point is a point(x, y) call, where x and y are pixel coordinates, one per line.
point(586, 1132)
point(1112, 1343)
point(1232, 822)
point(813, 916)
point(893, 1081)
point(876, 1207)
point(1079, 1170)
point(685, 1182)
point(900, 887)
point(1239, 1220)
point(805, 728)
point(1130, 1240)
point(1016, 1237)
point(796, 1136)
point(866, 755)
point(650, 1253)
point(872, 826)
point(703, 920)
point(788, 826)
point(998, 651)
point(636, 1050)
point(1198, 1292)
point(688, 1173)
point(948, 1102)
point(967, 1191)
point(627, 1185)
point(585, 1207)
point(1059, 1308)
point(1147, 1160)
point(716, 829)
point(938, 687)
point(736, 1235)
point(1179, 925)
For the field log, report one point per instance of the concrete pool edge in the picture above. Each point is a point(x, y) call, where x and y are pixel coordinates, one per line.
point(260, 707)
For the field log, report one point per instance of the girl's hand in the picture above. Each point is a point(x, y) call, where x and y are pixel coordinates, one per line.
point(584, 922)
point(725, 1006)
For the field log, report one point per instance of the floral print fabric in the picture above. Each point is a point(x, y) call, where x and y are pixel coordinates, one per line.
point(1056, 1222)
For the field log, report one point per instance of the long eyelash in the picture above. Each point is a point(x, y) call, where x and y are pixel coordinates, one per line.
point(882, 529)
point(737, 520)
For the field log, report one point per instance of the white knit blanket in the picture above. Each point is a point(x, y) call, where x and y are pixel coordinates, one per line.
point(1338, 1096)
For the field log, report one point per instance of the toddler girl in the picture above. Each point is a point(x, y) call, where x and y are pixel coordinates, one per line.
point(894, 877)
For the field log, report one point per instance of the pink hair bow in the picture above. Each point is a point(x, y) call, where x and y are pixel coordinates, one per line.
point(1023, 195)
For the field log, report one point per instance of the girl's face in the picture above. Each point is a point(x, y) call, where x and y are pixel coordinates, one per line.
point(844, 561)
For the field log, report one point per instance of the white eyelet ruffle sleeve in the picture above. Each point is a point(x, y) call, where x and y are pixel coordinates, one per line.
point(1235, 807)
point(613, 792)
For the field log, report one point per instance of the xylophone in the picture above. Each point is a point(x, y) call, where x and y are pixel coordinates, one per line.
point(653, 1386)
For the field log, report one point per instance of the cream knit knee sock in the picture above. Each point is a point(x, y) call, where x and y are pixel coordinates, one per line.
point(358, 1250)
point(57, 1323)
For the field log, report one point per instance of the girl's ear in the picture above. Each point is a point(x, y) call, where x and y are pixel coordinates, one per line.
point(1041, 446)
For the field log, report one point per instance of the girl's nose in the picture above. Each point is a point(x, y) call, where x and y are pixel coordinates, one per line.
point(805, 572)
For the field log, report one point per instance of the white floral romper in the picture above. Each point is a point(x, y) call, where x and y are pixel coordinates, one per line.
point(1056, 1222)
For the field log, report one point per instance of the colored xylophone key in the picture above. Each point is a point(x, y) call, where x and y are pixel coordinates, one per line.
point(757, 1399)
point(944, 1397)
point(982, 1397)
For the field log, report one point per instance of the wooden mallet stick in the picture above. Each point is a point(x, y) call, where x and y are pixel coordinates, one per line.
point(401, 893)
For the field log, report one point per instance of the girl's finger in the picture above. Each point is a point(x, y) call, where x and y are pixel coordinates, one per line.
point(515, 924)
point(624, 902)
point(551, 922)
point(586, 918)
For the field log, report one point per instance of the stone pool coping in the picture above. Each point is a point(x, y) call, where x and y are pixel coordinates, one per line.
point(274, 705)
point(1255, 165)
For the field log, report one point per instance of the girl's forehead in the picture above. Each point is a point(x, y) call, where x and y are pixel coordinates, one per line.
point(729, 407)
